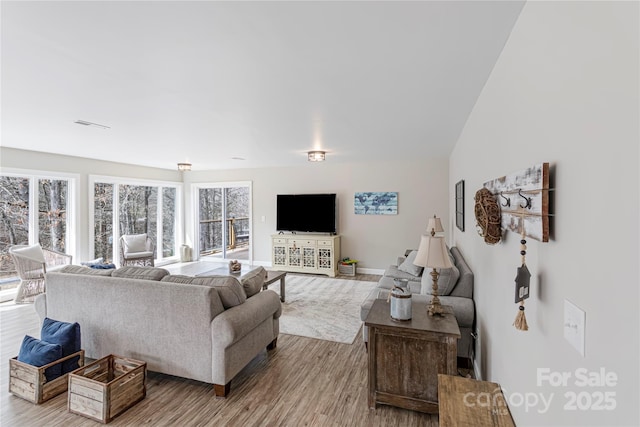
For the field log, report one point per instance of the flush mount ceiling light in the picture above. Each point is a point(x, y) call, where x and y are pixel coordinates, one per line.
point(316, 156)
point(184, 167)
point(86, 123)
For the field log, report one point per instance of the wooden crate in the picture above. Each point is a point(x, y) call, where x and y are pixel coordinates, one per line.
point(28, 381)
point(347, 269)
point(107, 387)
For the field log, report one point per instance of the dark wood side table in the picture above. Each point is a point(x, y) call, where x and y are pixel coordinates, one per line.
point(405, 358)
point(274, 276)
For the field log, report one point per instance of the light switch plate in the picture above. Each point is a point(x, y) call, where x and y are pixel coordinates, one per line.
point(574, 325)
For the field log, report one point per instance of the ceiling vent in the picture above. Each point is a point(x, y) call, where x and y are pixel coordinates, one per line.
point(86, 123)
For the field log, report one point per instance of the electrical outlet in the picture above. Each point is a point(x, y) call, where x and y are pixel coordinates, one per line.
point(574, 326)
point(263, 218)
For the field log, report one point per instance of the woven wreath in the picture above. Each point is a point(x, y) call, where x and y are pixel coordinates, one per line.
point(488, 217)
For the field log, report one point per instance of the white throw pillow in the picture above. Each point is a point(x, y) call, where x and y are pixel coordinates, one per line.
point(32, 252)
point(409, 267)
point(135, 242)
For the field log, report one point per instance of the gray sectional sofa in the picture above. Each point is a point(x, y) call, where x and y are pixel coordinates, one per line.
point(202, 328)
point(455, 287)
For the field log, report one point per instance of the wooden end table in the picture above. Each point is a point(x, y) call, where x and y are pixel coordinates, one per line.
point(405, 357)
point(462, 403)
point(274, 276)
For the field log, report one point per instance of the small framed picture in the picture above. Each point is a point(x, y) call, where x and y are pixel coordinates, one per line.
point(460, 205)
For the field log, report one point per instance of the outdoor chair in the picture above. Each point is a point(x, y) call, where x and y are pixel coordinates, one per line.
point(136, 249)
point(32, 263)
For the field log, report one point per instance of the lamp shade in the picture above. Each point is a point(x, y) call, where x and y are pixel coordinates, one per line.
point(434, 224)
point(432, 253)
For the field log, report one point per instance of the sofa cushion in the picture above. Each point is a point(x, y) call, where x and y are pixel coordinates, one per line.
point(409, 267)
point(39, 353)
point(65, 334)
point(446, 281)
point(178, 278)
point(229, 289)
point(144, 273)
point(393, 272)
point(135, 242)
point(389, 283)
point(252, 281)
point(78, 269)
point(135, 255)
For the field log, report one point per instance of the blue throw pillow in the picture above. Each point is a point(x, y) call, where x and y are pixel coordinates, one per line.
point(39, 353)
point(66, 335)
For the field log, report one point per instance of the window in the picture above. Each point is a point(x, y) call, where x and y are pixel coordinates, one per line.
point(122, 206)
point(35, 208)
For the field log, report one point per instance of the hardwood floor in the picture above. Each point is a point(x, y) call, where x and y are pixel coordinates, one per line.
point(303, 382)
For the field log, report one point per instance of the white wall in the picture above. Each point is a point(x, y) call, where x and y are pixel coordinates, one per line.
point(375, 240)
point(564, 91)
point(11, 158)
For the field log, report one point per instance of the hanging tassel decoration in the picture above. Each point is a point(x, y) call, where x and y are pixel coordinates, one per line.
point(522, 285)
point(521, 321)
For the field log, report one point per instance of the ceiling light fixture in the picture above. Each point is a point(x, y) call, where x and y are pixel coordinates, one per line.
point(316, 156)
point(184, 167)
point(86, 123)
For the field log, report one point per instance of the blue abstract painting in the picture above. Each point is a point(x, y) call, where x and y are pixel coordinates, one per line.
point(376, 203)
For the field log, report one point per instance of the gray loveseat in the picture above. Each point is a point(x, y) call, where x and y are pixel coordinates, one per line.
point(202, 328)
point(457, 292)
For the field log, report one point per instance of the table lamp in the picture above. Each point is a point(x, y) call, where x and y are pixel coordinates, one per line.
point(433, 253)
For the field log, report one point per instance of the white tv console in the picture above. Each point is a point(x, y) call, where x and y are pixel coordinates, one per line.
point(305, 253)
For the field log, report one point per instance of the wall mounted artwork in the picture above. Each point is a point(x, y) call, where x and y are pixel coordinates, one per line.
point(460, 205)
point(376, 203)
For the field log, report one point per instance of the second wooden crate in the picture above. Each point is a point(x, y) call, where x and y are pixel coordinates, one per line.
point(347, 269)
point(107, 387)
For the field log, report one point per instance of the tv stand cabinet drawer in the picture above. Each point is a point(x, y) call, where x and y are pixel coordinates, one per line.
point(301, 242)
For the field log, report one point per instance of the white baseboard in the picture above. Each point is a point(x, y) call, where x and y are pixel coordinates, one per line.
point(370, 271)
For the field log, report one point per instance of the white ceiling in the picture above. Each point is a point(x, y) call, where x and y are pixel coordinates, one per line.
point(205, 81)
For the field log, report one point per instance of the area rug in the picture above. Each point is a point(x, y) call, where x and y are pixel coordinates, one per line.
point(323, 308)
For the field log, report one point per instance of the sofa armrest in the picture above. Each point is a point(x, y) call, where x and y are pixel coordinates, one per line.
point(235, 322)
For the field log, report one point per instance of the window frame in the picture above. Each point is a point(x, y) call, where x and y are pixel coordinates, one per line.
point(195, 205)
point(116, 182)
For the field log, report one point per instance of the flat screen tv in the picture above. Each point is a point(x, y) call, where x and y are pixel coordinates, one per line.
point(313, 213)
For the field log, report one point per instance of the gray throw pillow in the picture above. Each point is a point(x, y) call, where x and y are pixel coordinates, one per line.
point(229, 289)
point(252, 281)
point(79, 269)
point(144, 273)
point(446, 281)
point(409, 267)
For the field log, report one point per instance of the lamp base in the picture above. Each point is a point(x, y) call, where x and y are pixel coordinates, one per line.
point(436, 310)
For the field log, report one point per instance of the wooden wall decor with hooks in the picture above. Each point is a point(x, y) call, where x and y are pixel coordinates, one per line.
point(524, 200)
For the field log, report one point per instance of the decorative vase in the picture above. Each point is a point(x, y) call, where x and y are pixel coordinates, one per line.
point(185, 253)
point(400, 300)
